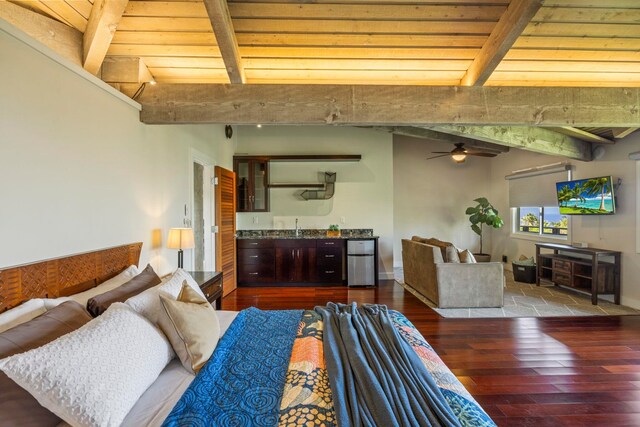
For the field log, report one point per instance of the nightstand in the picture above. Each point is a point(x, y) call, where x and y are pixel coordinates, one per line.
point(210, 283)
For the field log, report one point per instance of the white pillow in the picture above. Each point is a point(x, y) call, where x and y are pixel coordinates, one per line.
point(94, 375)
point(23, 313)
point(147, 303)
point(115, 282)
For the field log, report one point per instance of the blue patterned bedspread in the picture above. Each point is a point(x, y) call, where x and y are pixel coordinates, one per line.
point(268, 370)
point(242, 383)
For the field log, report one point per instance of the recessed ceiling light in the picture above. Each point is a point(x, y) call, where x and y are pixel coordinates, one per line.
point(153, 82)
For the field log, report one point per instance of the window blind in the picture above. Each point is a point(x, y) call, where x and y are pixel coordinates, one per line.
point(536, 186)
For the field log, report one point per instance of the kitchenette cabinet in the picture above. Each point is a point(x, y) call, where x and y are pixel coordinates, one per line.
point(291, 261)
point(252, 184)
point(295, 260)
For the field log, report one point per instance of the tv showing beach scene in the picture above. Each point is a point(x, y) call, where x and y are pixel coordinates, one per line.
point(591, 196)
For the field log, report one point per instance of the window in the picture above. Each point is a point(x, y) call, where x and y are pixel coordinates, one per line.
point(545, 221)
point(554, 223)
point(529, 220)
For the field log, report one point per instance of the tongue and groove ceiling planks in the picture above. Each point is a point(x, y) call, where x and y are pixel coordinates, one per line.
point(569, 44)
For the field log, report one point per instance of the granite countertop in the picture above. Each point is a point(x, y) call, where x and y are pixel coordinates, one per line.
point(305, 234)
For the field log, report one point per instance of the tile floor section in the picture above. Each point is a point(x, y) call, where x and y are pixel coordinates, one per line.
point(529, 300)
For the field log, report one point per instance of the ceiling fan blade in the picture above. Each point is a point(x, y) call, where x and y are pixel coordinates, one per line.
point(435, 157)
point(441, 152)
point(480, 154)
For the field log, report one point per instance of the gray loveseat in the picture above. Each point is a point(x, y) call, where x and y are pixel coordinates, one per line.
point(451, 285)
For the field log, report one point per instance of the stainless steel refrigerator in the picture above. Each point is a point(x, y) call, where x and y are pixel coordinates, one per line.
point(361, 261)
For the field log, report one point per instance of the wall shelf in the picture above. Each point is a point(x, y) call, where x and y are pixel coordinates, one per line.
point(305, 157)
point(315, 185)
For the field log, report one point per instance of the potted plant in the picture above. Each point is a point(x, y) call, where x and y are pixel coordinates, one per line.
point(334, 231)
point(483, 214)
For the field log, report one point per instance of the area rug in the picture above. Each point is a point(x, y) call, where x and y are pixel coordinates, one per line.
point(529, 300)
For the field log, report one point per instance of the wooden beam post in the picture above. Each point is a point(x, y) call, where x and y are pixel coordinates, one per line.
point(103, 21)
point(361, 105)
point(431, 134)
point(511, 24)
point(539, 140)
point(61, 38)
point(124, 69)
point(220, 18)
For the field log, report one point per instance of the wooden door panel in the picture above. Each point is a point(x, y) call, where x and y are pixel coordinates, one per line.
point(226, 222)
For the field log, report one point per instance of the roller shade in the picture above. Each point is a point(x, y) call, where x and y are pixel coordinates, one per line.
point(536, 186)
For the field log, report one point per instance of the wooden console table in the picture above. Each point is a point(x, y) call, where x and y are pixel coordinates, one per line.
point(563, 267)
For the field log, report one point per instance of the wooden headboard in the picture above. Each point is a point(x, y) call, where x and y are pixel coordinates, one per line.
point(64, 276)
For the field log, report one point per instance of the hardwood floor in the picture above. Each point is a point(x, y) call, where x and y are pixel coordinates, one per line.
point(524, 372)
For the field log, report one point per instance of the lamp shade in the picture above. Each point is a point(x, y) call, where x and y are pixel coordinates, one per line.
point(180, 238)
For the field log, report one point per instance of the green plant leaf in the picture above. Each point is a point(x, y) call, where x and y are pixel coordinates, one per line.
point(482, 201)
point(471, 211)
point(476, 229)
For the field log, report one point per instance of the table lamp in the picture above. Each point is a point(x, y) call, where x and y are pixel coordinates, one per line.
point(180, 238)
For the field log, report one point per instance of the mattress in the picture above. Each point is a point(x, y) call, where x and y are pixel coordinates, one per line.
point(157, 402)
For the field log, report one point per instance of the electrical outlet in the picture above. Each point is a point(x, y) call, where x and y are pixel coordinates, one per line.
point(504, 258)
point(343, 220)
point(255, 219)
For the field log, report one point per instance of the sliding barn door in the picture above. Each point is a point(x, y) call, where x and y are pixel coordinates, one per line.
point(226, 228)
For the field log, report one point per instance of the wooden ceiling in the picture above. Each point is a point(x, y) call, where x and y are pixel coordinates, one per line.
point(397, 42)
point(494, 71)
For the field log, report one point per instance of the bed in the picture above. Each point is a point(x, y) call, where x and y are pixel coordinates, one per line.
point(307, 394)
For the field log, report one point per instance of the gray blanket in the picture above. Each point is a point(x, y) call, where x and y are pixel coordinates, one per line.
point(376, 378)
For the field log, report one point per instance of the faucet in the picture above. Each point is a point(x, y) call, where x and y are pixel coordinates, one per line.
point(297, 229)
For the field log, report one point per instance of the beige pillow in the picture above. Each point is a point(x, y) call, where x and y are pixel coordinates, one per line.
point(452, 254)
point(466, 257)
point(191, 325)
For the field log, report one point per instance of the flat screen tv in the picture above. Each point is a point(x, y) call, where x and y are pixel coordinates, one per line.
point(591, 196)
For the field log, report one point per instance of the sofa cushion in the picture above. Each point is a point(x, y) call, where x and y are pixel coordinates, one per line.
point(466, 257)
point(452, 254)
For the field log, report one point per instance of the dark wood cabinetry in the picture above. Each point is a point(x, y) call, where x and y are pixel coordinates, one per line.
point(580, 268)
point(290, 262)
point(329, 260)
point(295, 260)
point(255, 261)
point(252, 184)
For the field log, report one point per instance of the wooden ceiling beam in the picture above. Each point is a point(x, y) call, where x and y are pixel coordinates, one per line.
point(102, 24)
point(583, 135)
point(536, 139)
point(218, 12)
point(433, 135)
point(619, 133)
point(61, 38)
point(511, 24)
point(363, 105)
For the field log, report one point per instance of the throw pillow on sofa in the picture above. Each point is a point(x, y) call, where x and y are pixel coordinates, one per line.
point(452, 255)
point(466, 257)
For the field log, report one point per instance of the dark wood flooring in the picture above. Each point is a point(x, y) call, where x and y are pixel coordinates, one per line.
point(574, 371)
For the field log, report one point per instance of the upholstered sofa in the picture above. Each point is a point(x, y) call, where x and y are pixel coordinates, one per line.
point(451, 284)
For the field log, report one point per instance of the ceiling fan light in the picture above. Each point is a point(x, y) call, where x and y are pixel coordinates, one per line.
point(459, 157)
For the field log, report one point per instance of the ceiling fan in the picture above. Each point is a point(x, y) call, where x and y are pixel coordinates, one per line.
point(459, 154)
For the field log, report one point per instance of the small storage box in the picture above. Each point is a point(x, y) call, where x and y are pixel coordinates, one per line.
point(524, 273)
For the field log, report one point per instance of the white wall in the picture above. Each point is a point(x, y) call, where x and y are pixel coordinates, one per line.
point(78, 171)
point(364, 189)
point(615, 232)
point(431, 196)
